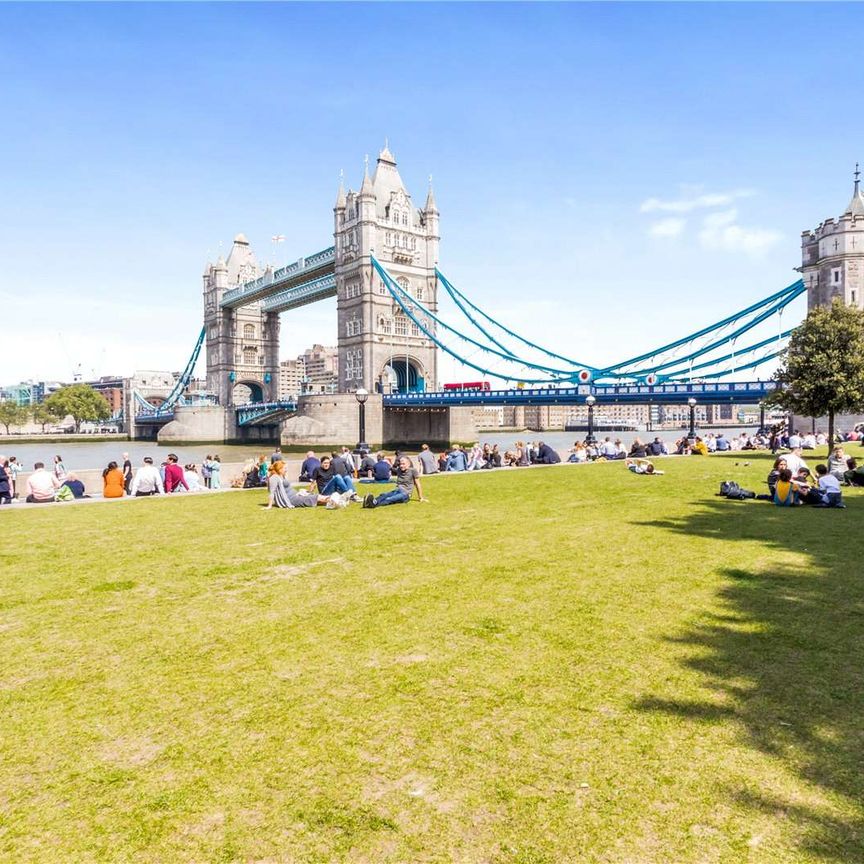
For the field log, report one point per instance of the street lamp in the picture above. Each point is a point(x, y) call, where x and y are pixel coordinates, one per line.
point(761, 418)
point(589, 401)
point(361, 396)
point(692, 403)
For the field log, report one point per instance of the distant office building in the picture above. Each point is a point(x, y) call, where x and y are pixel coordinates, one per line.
point(291, 376)
point(111, 387)
point(321, 366)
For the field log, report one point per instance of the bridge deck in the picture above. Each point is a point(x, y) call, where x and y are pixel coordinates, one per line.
point(301, 272)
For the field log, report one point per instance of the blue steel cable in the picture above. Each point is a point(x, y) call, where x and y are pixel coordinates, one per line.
point(743, 352)
point(790, 293)
point(391, 285)
point(453, 292)
point(758, 362)
point(182, 382)
point(706, 349)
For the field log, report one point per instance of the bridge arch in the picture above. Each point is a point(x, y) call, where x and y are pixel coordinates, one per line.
point(403, 374)
point(247, 391)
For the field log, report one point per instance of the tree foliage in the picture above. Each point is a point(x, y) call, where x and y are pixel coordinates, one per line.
point(80, 401)
point(822, 369)
point(12, 414)
point(43, 415)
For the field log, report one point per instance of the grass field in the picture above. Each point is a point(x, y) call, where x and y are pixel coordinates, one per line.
point(570, 664)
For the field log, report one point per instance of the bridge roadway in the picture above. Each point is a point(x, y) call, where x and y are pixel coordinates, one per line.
point(747, 392)
point(305, 281)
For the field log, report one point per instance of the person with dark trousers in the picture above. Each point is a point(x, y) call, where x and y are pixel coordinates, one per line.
point(546, 455)
point(5, 482)
point(310, 463)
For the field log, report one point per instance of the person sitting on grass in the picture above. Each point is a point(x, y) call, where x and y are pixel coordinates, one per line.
point(75, 486)
point(407, 480)
point(310, 463)
point(808, 492)
point(147, 480)
point(837, 462)
point(699, 447)
point(785, 494)
point(113, 482)
point(854, 474)
point(40, 485)
point(328, 480)
point(829, 486)
point(641, 466)
point(284, 496)
point(367, 467)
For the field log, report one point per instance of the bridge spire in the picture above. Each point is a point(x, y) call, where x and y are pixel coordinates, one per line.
point(340, 196)
point(366, 188)
point(430, 207)
point(856, 205)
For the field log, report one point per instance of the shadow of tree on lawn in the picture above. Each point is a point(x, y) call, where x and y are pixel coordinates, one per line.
point(788, 652)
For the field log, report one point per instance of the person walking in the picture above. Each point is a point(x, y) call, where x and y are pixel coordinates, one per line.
point(14, 468)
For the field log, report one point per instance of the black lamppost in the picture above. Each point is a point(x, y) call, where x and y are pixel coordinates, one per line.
point(761, 418)
point(361, 396)
point(589, 401)
point(692, 403)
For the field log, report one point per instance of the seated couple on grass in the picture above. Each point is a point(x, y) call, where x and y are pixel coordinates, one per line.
point(284, 496)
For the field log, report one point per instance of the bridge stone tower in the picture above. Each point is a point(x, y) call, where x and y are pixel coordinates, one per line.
point(380, 349)
point(832, 256)
point(243, 343)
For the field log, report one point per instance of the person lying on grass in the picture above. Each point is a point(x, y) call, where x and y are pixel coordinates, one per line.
point(641, 466)
point(407, 480)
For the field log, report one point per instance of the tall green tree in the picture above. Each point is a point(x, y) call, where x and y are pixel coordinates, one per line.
point(80, 401)
point(822, 368)
point(43, 415)
point(13, 414)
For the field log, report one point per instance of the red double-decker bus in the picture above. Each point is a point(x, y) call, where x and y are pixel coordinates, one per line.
point(468, 385)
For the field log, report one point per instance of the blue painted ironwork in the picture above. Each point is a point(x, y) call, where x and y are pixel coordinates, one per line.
point(273, 282)
point(179, 386)
point(263, 413)
point(302, 294)
point(458, 297)
point(748, 392)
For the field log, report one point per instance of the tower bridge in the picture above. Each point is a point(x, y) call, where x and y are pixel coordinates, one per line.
point(382, 267)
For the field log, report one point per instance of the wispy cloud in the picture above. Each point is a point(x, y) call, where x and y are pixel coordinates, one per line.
point(688, 203)
point(668, 228)
point(721, 231)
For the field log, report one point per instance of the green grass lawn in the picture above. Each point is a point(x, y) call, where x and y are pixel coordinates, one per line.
point(571, 664)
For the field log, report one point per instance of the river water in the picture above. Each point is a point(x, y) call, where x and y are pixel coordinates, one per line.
point(81, 455)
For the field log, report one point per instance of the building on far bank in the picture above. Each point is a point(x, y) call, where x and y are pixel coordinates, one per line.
point(321, 365)
point(291, 376)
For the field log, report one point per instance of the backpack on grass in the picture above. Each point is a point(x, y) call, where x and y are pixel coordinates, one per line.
point(730, 489)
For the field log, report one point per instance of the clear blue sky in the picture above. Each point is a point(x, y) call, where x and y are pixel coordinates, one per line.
point(608, 175)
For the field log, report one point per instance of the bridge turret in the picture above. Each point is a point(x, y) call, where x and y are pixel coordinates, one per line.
point(832, 256)
point(381, 220)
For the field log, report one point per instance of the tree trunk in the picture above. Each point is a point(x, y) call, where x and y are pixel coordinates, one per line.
point(830, 432)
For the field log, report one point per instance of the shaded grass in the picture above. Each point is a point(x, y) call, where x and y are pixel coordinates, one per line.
point(568, 664)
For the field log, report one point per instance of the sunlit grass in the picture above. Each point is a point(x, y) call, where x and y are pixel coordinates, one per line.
point(571, 664)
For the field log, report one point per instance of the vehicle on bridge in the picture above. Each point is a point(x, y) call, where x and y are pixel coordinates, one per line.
point(468, 385)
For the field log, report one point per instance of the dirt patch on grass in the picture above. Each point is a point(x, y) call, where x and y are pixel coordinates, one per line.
point(131, 752)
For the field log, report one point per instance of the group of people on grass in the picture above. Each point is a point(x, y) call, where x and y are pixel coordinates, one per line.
point(791, 483)
point(119, 480)
point(331, 480)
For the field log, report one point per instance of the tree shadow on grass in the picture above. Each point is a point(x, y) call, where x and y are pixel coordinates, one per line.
point(787, 650)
